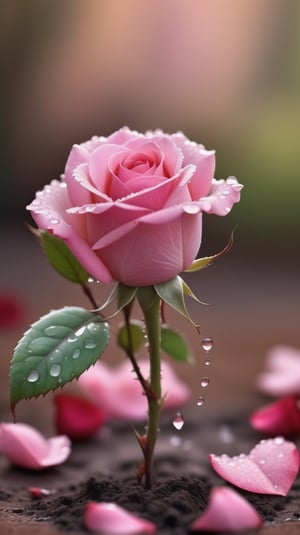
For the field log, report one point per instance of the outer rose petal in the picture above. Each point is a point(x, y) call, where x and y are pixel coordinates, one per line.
point(282, 375)
point(77, 417)
point(279, 418)
point(270, 468)
point(111, 519)
point(227, 511)
point(25, 446)
point(223, 195)
point(115, 391)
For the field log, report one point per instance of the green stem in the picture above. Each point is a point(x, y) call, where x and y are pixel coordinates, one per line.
point(150, 304)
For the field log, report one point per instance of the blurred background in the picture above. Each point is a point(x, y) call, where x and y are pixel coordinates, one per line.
point(228, 75)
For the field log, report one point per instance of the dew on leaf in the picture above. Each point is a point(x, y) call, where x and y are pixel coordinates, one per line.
point(178, 421)
point(55, 370)
point(90, 343)
point(80, 331)
point(33, 376)
point(52, 330)
point(72, 338)
point(93, 327)
point(76, 354)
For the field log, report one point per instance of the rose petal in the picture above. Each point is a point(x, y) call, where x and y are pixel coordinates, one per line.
point(77, 417)
point(119, 394)
point(39, 492)
point(109, 518)
point(282, 375)
point(25, 446)
point(223, 195)
point(227, 511)
point(270, 468)
point(279, 418)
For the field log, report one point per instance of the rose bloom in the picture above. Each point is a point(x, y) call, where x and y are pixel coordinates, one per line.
point(130, 206)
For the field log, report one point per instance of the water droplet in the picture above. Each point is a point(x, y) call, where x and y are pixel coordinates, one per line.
point(204, 382)
point(200, 401)
point(80, 331)
point(55, 370)
point(262, 461)
point(72, 338)
point(178, 421)
point(76, 354)
point(207, 362)
point(93, 327)
point(54, 221)
point(52, 330)
point(278, 441)
point(33, 376)
point(90, 343)
point(207, 344)
point(90, 280)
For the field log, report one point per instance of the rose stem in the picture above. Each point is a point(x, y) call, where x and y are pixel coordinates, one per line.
point(88, 293)
point(151, 310)
point(130, 353)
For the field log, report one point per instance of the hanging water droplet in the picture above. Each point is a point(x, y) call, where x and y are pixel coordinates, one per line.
point(90, 280)
point(207, 362)
point(178, 421)
point(90, 343)
point(207, 343)
point(55, 370)
point(200, 401)
point(204, 382)
point(76, 354)
point(33, 376)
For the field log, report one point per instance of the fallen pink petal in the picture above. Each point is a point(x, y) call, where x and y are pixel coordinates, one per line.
point(115, 391)
point(270, 468)
point(77, 417)
point(109, 518)
point(282, 374)
point(24, 446)
point(282, 417)
point(227, 511)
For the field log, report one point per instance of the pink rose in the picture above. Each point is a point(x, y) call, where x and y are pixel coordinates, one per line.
point(130, 206)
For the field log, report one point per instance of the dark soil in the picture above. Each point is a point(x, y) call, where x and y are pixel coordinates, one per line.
point(103, 469)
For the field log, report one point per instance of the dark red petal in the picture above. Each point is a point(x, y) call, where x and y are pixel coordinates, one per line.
point(279, 418)
point(77, 417)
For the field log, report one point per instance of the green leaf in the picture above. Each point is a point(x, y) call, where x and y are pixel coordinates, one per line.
point(174, 345)
point(61, 258)
point(201, 263)
point(56, 349)
point(122, 294)
point(136, 335)
point(172, 293)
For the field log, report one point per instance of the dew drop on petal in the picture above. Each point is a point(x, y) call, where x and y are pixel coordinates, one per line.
point(204, 382)
point(55, 370)
point(207, 344)
point(178, 421)
point(33, 376)
point(278, 441)
point(200, 401)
